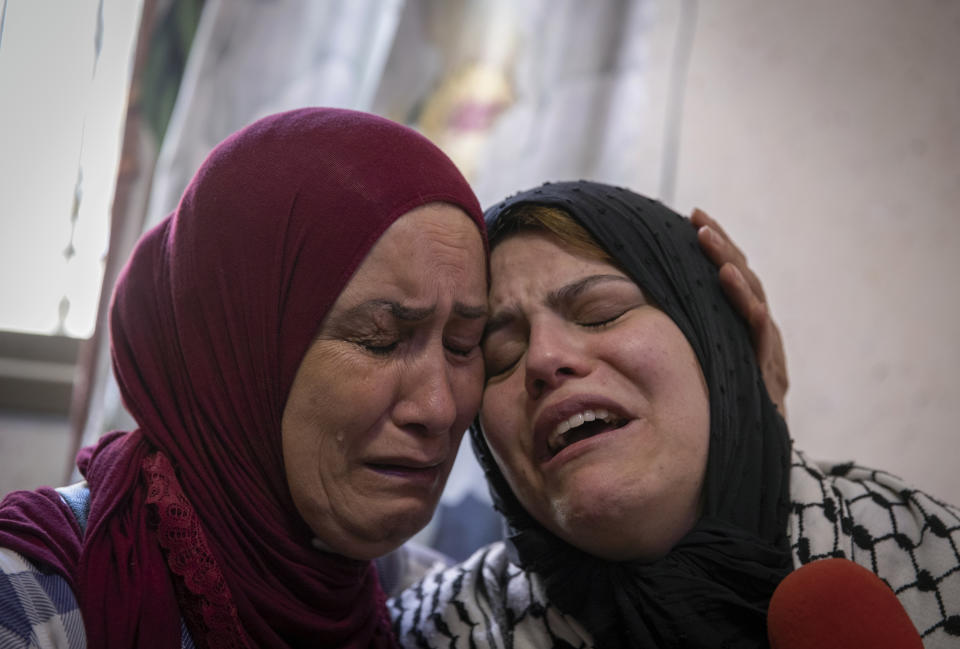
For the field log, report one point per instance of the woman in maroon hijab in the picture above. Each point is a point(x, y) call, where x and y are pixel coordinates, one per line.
point(298, 345)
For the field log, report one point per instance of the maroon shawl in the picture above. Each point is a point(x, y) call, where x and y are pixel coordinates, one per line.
point(191, 514)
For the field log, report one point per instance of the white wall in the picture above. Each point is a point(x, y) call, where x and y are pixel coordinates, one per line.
point(33, 450)
point(825, 136)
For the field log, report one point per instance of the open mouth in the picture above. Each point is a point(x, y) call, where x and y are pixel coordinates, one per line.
point(581, 426)
point(424, 476)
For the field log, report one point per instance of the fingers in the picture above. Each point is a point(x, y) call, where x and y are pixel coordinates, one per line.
point(701, 218)
point(744, 290)
point(774, 365)
point(721, 250)
point(767, 342)
point(741, 294)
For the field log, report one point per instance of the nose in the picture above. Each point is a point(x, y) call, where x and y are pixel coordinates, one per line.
point(555, 353)
point(426, 403)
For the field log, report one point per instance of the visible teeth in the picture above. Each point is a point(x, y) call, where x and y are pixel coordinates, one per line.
point(556, 440)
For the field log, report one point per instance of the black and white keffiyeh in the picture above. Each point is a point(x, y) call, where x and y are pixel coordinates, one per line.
point(908, 538)
point(911, 540)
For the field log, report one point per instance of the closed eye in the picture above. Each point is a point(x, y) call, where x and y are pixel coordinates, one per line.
point(378, 349)
point(463, 351)
point(599, 324)
point(501, 370)
point(502, 356)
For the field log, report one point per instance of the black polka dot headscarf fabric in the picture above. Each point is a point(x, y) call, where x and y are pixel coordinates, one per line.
point(713, 588)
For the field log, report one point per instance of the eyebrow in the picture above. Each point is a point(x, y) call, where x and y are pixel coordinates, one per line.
point(565, 294)
point(556, 299)
point(412, 314)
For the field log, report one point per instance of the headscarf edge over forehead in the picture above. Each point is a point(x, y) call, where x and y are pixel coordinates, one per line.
point(334, 207)
point(746, 497)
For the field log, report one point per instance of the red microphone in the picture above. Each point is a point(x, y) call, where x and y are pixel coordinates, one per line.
point(834, 604)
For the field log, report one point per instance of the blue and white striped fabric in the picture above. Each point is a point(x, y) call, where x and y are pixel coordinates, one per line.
point(37, 609)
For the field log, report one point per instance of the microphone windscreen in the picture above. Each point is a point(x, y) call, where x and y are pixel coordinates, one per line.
point(834, 603)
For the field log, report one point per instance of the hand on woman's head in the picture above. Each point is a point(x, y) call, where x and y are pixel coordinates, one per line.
point(745, 291)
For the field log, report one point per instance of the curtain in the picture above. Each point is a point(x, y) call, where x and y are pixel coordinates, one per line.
point(518, 92)
point(166, 31)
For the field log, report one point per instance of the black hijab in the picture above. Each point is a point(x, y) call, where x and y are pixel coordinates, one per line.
point(713, 588)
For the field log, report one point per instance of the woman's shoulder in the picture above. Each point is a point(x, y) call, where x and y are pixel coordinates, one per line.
point(39, 608)
point(906, 536)
point(869, 507)
point(485, 601)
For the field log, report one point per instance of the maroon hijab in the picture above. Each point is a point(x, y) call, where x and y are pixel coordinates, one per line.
point(191, 514)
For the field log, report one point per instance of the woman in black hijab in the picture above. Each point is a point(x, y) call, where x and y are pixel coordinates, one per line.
point(646, 478)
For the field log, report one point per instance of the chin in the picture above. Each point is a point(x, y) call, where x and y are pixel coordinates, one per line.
point(611, 525)
point(388, 530)
point(613, 540)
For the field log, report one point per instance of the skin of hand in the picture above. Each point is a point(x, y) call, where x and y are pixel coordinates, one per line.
point(745, 291)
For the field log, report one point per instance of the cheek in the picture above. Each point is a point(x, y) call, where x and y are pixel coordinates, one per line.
point(324, 420)
point(660, 362)
point(691, 399)
point(505, 428)
point(309, 438)
point(688, 413)
point(468, 391)
point(496, 420)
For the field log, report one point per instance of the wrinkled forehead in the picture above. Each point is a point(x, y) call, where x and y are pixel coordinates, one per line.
point(539, 262)
point(433, 249)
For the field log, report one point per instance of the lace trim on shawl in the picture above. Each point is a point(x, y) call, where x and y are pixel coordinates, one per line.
point(206, 603)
